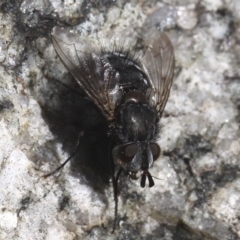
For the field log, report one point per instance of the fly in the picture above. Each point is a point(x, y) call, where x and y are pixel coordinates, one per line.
point(131, 93)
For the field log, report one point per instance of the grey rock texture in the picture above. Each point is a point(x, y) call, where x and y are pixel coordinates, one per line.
point(42, 109)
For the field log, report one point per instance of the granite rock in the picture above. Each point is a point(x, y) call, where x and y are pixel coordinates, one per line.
point(42, 109)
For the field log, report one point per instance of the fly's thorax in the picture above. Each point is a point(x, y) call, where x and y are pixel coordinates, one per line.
point(136, 119)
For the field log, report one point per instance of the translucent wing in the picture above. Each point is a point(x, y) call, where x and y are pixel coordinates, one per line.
point(159, 65)
point(91, 70)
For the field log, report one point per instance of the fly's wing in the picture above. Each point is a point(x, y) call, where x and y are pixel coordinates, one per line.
point(159, 65)
point(91, 70)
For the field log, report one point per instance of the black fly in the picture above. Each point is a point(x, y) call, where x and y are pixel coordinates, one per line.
point(130, 92)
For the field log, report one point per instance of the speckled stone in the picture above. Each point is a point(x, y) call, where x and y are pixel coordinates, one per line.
point(196, 195)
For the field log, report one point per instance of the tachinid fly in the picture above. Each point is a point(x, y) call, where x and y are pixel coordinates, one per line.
point(130, 92)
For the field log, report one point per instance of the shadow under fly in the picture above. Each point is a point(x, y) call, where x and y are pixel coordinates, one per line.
point(131, 94)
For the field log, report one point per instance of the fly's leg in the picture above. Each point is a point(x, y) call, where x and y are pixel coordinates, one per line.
point(70, 157)
point(116, 193)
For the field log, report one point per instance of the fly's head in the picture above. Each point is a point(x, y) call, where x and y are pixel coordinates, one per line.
point(135, 157)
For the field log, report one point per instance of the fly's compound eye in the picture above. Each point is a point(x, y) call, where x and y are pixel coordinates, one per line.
point(127, 152)
point(156, 150)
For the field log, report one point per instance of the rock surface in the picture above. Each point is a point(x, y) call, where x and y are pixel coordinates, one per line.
point(42, 110)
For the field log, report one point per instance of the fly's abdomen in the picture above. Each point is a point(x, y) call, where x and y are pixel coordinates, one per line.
point(131, 75)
